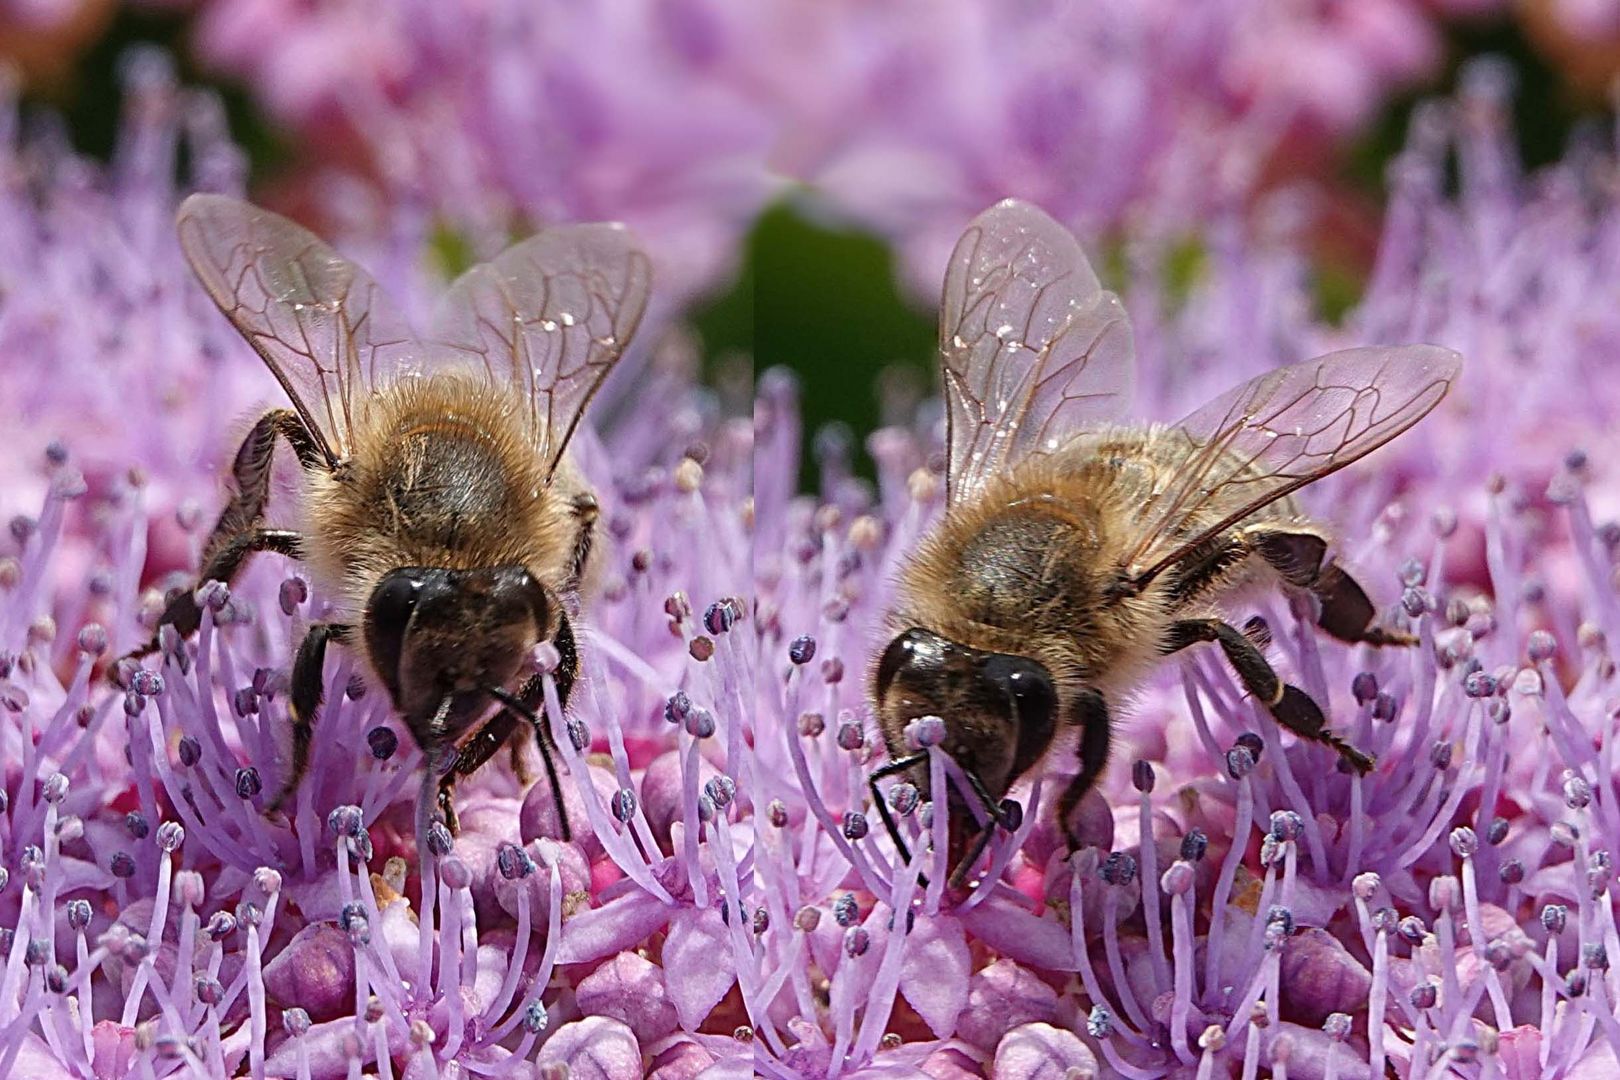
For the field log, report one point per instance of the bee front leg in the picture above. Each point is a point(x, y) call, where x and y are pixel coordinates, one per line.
point(523, 705)
point(471, 756)
point(1291, 706)
point(237, 535)
point(307, 692)
point(1091, 714)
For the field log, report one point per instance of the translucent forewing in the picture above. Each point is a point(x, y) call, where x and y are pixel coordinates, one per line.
point(1285, 429)
point(552, 315)
point(1032, 348)
point(319, 321)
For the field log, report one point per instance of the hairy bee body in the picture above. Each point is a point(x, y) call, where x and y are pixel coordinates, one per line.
point(443, 473)
point(439, 507)
point(1075, 552)
point(1030, 566)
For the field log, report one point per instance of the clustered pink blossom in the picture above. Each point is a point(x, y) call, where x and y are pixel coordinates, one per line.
point(728, 905)
point(1241, 904)
point(493, 114)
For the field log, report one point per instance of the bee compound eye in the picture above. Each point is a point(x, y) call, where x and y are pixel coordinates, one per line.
point(1026, 683)
point(394, 599)
point(914, 649)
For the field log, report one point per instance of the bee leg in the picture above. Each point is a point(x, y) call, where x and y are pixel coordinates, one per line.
point(307, 692)
point(223, 564)
point(1347, 613)
point(1292, 707)
point(523, 706)
point(898, 765)
point(471, 755)
point(1091, 713)
point(960, 874)
point(236, 534)
point(520, 764)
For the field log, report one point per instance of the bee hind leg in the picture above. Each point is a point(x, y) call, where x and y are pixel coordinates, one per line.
point(1091, 713)
point(1346, 613)
point(1292, 707)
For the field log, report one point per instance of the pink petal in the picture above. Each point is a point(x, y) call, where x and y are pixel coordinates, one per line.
point(698, 964)
point(1042, 1052)
point(934, 972)
point(630, 989)
point(615, 926)
point(1001, 997)
point(595, 1048)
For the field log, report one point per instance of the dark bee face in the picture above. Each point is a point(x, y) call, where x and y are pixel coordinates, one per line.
point(1000, 710)
point(437, 634)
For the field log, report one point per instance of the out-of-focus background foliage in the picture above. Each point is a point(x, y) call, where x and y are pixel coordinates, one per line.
point(801, 166)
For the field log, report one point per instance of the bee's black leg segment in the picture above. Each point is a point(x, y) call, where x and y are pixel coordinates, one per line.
point(1091, 714)
point(1300, 714)
point(983, 795)
point(523, 705)
point(1293, 708)
point(251, 471)
point(224, 562)
point(1247, 660)
point(586, 510)
point(470, 756)
point(306, 693)
point(881, 772)
point(1296, 556)
point(1347, 613)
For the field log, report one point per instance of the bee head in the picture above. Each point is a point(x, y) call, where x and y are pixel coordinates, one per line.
point(434, 634)
point(1000, 709)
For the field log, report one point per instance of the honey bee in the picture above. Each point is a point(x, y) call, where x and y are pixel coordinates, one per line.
point(438, 504)
point(1075, 553)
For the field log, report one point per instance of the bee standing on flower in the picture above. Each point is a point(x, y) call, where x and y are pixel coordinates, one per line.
point(439, 506)
point(1074, 554)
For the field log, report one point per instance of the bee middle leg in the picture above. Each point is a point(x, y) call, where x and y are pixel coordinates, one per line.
point(237, 535)
point(307, 691)
point(1291, 706)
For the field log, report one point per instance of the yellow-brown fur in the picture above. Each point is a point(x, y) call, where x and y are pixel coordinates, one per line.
point(358, 527)
point(1023, 565)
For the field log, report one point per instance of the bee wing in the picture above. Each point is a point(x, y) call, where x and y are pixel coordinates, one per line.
point(552, 315)
point(319, 321)
point(1274, 434)
point(1031, 346)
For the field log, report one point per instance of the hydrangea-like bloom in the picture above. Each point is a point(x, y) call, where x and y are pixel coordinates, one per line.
point(153, 921)
point(1242, 904)
point(492, 113)
point(1102, 114)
